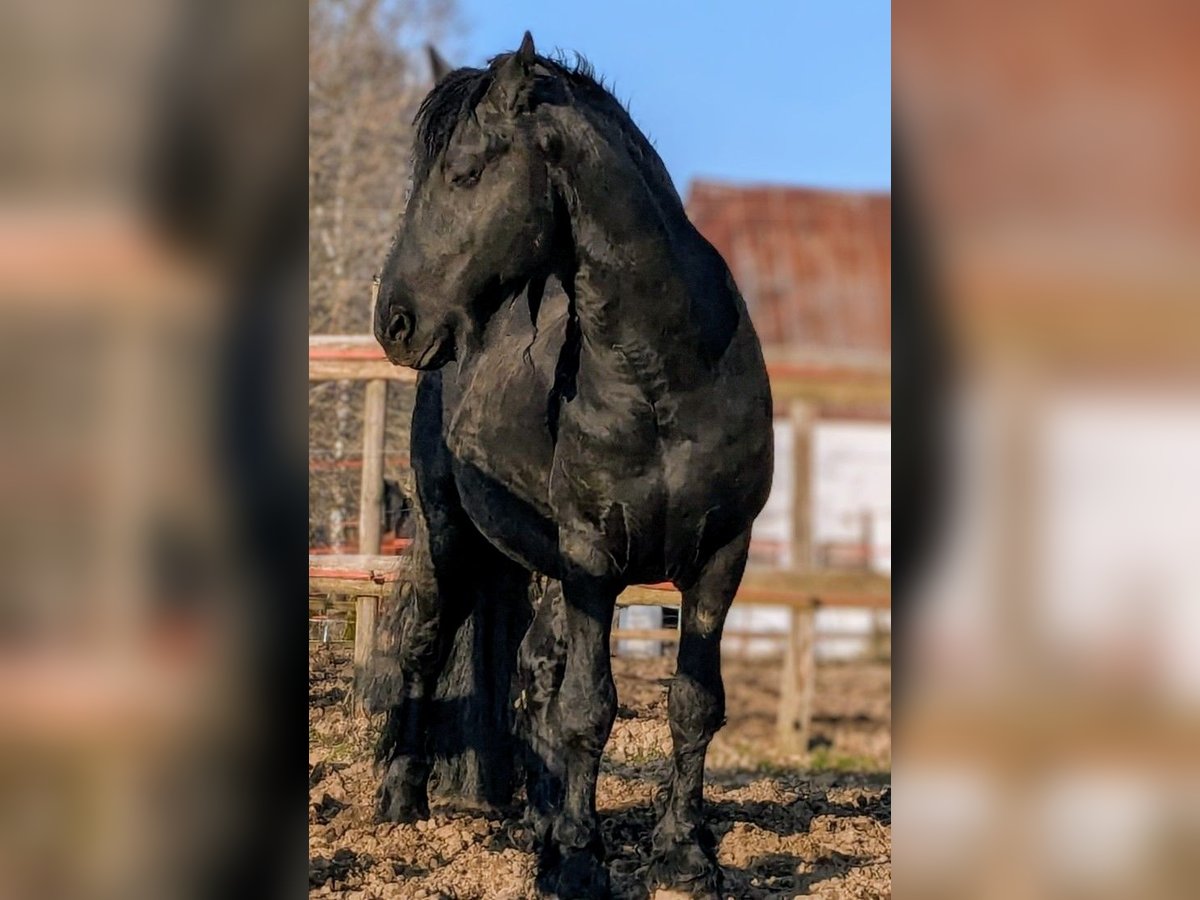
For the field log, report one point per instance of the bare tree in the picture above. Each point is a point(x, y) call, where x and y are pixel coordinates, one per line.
point(367, 74)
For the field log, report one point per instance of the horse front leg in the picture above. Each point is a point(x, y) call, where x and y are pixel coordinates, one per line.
point(684, 849)
point(452, 649)
point(404, 677)
point(541, 661)
point(410, 653)
point(572, 859)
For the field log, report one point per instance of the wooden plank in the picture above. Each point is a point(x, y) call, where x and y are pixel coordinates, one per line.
point(833, 588)
point(359, 562)
point(364, 345)
point(803, 420)
point(357, 357)
point(860, 391)
point(644, 634)
point(350, 587)
point(321, 605)
point(860, 398)
point(375, 574)
point(324, 603)
point(380, 584)
point(671, 635)
point(370, 508)
point(666, 595)
point(797, 683)
point(365, 612)
point(821, 584)
point(832, 634)
point(844, 590)
point(869, 399)
point(354, 575)
point(358, 370)
point(649, 595)
point(794, 718)
point(369, 518)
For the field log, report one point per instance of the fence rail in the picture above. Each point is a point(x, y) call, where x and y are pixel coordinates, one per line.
point(839, 390)
point(374, 575)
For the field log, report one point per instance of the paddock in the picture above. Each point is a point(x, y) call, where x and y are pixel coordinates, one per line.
point(785, 830)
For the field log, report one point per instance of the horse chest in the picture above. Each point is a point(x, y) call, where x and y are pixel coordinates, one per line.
point(608, 486)
point(630, 487)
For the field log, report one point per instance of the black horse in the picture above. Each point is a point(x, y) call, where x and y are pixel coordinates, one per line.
point(593, 410)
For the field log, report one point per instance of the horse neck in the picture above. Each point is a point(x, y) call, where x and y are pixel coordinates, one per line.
point(630, 246)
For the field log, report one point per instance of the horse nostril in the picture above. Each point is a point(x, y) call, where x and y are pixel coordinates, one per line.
point(399, 326)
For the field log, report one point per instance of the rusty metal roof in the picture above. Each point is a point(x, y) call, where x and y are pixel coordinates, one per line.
point(813, 265)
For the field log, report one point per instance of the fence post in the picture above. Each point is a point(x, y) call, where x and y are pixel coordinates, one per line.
point(799, 670)
point(799, 681)
point(370, 510)
point(364, 632)
point(370, 515)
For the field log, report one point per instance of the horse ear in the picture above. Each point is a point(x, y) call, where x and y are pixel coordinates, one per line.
point(437, 64)
point(521, 63)
point(513, 79)
point(525, 53)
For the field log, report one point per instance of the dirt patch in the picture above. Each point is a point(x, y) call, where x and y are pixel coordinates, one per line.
point(786, 826)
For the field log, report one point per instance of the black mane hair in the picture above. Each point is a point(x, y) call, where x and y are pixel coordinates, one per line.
point(448, 104)
point(455, 97)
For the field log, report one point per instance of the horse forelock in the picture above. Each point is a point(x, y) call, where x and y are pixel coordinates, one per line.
point(450, 102)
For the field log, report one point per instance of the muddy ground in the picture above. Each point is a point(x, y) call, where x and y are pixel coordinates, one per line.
point(813, 826)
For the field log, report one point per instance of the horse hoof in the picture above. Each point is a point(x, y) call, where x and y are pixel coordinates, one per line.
point(684, 868)
point(392, 809)
point(403, 794)
point(533, 831)
point(579, 875)
point(398, 801)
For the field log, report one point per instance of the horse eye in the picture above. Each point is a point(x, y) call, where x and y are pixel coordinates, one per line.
point(467, 179)
point(466, 173)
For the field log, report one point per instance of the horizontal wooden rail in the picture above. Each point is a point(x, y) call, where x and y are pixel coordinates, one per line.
point(671, 635)
point(354, 575)
point(324, 464)
point(389, 546)
point(666, 635)
point(764, 547)
point(859, 391)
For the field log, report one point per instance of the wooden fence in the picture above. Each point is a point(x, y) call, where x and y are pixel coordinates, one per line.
point(805, 392)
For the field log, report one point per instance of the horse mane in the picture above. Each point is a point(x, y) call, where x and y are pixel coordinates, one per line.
point(455, 97)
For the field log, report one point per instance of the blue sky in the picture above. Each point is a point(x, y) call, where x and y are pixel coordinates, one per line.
point(757, 91)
